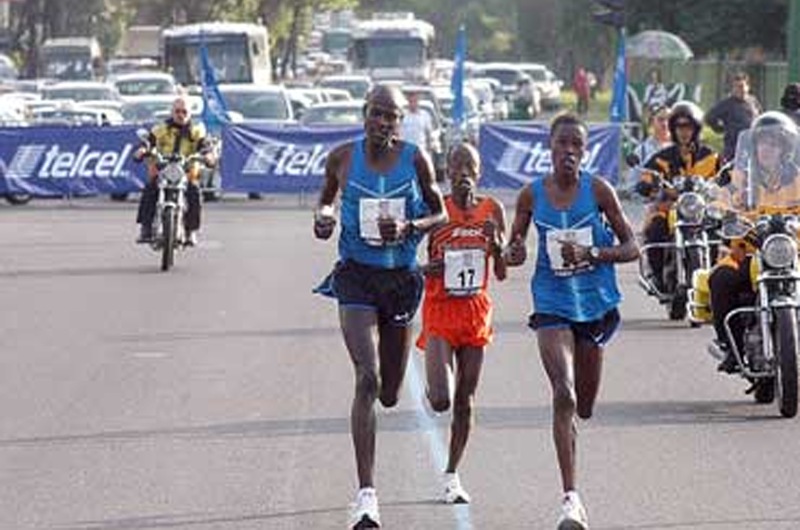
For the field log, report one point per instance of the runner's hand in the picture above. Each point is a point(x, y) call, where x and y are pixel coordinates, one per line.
point(516, 252)
point(324, 222)
point(392, 230)
point(433, 268)
point(573, 254)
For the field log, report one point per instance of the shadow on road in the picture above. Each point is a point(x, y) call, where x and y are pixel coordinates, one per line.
point(67, 272)
point(620, 414)
point(201, 519)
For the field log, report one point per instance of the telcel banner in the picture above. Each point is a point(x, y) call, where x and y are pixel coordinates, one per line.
point(514, 154)
point(271, 158)
point(58, 161)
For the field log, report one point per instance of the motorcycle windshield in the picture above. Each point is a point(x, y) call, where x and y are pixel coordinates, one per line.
point(766, 172)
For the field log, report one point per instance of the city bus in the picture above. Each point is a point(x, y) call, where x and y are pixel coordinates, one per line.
point(71, 59)
point(239, 52)
point(393, 46)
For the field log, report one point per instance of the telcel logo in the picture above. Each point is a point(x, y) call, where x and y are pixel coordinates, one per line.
point(529, 158)
point(55, 163)
point(287, 160)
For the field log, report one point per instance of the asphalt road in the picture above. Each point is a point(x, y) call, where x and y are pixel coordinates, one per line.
point(217, 397)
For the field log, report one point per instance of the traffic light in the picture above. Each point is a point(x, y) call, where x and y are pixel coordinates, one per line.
point(612, 12)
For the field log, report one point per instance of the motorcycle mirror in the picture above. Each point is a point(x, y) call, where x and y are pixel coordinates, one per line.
point(633, 160)
point(144, 135)
point(724, 176)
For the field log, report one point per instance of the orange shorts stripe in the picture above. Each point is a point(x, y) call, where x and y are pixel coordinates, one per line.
point(459, 321)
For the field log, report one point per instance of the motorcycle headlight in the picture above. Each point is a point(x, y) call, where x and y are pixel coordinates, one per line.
point(691, 207)
point(173, 174)
point(779, 251)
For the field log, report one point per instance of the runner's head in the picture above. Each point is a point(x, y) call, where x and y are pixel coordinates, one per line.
point(463, 167)
point(568, 138)
point(383, 113)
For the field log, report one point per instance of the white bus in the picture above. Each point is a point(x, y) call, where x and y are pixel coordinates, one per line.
point(71, 59)
point(239, 52)
point(393, 46)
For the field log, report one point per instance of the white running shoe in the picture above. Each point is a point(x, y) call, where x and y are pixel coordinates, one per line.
point(454, 493)
point(573, 514)
point(364, 511)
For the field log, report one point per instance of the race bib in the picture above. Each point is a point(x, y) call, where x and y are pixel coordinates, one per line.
point(371, 210)
point(555, 240)
point(464, 270)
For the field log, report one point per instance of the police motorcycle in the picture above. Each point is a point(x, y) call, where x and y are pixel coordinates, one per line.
point(172, 181)
point(764, 223)
point(693, 244)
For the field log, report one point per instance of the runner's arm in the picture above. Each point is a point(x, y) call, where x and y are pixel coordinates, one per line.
point(431, 194)
point(324, 219)
point(498, 242)
point(628, 249)
point(516, 253)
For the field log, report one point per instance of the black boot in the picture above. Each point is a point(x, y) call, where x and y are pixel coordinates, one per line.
point(145, 233)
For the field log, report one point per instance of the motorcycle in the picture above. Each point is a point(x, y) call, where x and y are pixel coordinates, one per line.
point(693, 245)
point(172, 181)
point(767, 345)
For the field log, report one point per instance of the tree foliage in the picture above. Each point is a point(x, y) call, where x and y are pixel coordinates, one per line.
point(561, 33)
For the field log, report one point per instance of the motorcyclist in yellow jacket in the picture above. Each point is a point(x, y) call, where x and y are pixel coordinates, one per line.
point(769, 183)
point(177, 134)
point(686, 156)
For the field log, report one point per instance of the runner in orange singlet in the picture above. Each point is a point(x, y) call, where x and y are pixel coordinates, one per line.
point(457, 310)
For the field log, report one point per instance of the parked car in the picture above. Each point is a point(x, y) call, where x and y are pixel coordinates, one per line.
point(145, 84)
point(258, 102)
point(358, 85)
point(80, 91)
point(546, 82)
point(334, 113)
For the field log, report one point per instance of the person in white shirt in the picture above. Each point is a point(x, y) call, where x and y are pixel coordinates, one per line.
point(417, 127)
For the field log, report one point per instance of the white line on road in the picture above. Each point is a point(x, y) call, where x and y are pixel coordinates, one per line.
point(437, 445)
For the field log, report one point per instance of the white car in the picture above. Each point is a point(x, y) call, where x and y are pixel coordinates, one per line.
point(146, 84)
point(546, 83)
point(80, 91)
point(257, 102)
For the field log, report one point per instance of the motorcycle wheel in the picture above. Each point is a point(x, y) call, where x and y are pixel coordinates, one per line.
point(168, 231)
point(765, 391)
point(18, 199)
point(786, 347)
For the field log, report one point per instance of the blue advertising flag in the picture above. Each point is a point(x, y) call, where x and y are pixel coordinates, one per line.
point(215, 111)
point(618, 110)
point(457, 82)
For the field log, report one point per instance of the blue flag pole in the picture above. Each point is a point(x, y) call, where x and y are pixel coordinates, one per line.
point(457, 82)
point(618, 111)
point(215, 111)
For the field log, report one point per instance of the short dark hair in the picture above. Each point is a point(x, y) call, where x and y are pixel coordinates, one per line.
point(567, 118)
point(740, 76)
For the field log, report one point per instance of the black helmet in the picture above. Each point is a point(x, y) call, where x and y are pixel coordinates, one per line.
point(685, 109)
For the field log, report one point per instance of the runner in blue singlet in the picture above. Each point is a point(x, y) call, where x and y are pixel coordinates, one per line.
point(389, 199)
point(574, 287)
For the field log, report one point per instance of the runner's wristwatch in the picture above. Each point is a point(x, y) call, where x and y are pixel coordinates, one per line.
point(594, 254)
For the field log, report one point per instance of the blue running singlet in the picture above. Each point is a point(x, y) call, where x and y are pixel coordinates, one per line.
point(581, 293)
point(367, 195)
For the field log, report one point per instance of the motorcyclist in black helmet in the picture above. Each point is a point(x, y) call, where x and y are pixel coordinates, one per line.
point(686, 156)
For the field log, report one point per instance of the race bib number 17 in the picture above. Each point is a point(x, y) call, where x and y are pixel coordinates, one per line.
point(464, 270)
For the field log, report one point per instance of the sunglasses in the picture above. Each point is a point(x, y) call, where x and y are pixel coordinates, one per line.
point(684, 125)
point(181, 112)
